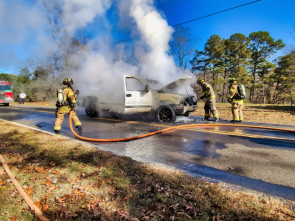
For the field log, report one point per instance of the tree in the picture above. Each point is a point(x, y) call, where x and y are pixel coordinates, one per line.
point(283, 77)
point(262, 46)
point(183, 45)
point(211, 61)
point(24, 76)
point(68, 44)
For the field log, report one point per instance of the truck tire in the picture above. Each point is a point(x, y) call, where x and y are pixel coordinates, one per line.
point(186, 114)
point(165, 114)
point(7, 104)
point(91, 112)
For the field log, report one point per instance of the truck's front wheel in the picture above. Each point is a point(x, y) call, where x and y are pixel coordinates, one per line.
point(165, 114)
point(91, 112)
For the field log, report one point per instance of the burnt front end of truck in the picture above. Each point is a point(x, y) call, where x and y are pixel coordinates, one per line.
point(182, 105)
point(187, 105)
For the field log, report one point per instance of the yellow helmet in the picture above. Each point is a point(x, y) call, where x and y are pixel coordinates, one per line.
point(232, 80)
point(68, 81)
point(200, 80)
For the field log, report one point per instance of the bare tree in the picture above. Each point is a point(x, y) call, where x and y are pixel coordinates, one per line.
point(183, 45)
point(67, 44)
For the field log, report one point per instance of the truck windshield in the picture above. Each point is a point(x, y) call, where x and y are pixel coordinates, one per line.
point(5, 87)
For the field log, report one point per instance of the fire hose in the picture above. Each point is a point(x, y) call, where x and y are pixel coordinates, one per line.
point(168, 129)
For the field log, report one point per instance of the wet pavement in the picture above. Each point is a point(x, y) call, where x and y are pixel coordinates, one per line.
point(258, 159)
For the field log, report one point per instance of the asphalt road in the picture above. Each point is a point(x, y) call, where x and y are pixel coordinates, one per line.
point(261, 160)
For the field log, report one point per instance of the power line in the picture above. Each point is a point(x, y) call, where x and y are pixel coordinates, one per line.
point(196, 18)
point(216, 13)
point(129, 39)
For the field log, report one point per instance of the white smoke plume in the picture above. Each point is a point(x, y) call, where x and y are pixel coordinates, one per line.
point(148, 58)
point(152, 49)
point(152, 34)
point(78, 13)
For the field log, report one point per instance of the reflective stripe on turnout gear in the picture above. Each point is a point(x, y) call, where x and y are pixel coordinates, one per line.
point(208, 91)
point(238, 101)
point(211, 97)
point(77, 124)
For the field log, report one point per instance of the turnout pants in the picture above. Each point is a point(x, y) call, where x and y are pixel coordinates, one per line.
point(237, 110)
point(60, 115)
point(211, 108)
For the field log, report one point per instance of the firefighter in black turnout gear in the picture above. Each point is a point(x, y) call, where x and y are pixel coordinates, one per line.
point(66, 102)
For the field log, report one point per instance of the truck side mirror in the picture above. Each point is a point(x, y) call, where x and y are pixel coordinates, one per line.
point(147, 88)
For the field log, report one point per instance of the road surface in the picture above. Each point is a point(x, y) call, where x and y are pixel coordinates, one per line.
point(260, 160)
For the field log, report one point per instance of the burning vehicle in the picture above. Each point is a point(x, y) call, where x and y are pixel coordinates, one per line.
point(136, 96)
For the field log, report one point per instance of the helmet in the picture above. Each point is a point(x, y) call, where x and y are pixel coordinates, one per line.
point(68, 81)
point(232, 80)
point(200, 80)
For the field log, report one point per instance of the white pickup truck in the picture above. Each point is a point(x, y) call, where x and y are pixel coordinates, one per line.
point(135, 96)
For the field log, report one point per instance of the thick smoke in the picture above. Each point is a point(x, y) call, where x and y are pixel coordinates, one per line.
point(152, 34)
point(152, 49)
point(77, 13)
point(146, 56)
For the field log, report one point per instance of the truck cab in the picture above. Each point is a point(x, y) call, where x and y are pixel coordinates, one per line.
point(6, 95)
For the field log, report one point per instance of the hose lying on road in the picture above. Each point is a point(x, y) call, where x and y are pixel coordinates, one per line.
point(168, 129)
point(22, 192)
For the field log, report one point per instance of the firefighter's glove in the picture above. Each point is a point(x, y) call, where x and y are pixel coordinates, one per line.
point(202, 97)
point(74, 106)
point(230, 100)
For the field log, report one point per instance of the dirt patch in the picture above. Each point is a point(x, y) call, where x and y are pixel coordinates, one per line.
point(70, 181)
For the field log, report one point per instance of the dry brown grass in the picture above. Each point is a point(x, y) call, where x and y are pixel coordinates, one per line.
point(275, 114)
point(70, 181)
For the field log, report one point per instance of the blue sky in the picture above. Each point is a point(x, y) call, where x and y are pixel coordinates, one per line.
point(275, 16)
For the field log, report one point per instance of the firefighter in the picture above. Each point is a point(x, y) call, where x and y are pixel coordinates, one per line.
point(235, 100)
point(210, 100)
point(64, 107)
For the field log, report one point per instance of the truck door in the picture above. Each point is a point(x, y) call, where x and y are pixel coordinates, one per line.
point(138, 98)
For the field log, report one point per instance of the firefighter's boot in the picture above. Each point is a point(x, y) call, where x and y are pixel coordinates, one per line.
point(216, 119)
point(205, 119)
point(79, 127)
point(234, 121)
point(57, 131)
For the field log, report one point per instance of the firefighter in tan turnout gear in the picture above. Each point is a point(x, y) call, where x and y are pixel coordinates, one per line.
point(236, 99)
point(66, 102)
point(210, 100)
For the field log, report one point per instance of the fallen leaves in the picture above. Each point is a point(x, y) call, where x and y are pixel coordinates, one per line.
point(42, 205)
point(29, 190)
point(42, 169)
point(77, 195)
point(48, 183)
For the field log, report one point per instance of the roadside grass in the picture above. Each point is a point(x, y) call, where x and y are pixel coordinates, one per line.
point(71, 181)
point(266, 113)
